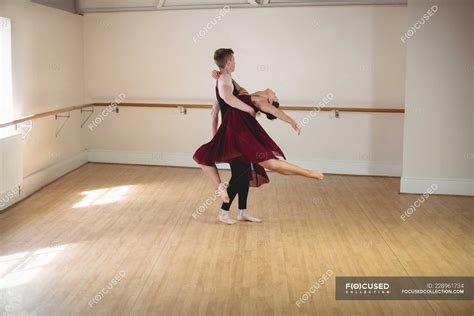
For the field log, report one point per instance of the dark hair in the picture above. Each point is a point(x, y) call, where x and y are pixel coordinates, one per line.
point(221, 56)
point(271, 116)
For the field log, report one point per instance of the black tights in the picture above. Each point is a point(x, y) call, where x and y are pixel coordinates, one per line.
point(238, 184)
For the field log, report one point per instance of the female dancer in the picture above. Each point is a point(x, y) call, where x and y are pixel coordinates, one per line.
point(240, 138)
point(261, 100)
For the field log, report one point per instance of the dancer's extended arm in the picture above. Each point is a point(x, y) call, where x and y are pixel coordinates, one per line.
point(270, 109)
point(242, 91)
point(225, 89)
point(215, 116)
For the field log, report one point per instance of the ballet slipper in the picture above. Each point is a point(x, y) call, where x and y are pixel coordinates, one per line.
point(224, 217)
point(245, 217)
point(248, 218)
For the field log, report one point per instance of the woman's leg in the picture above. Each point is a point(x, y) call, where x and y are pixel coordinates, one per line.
point(213, 175)
point(233, 187)
point(286, 168)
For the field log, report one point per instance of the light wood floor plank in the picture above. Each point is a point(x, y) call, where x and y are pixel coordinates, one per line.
point(60, 247)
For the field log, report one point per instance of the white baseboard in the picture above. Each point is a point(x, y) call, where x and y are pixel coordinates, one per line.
point(141, 158)
point(356, 167)
point(444, 186)
point(39, 179)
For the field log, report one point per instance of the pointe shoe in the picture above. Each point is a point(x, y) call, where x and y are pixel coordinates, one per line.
point(222, 190)
point(248, 218)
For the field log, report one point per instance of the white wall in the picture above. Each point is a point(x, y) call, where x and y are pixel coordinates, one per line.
point(61, 59)
point(47, 67)
point(353, 52)
point(438, 135)
point(303, 53)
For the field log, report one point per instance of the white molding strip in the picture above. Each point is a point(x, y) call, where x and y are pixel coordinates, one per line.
point(444, 186)
point(356, 167)
point(43, 177)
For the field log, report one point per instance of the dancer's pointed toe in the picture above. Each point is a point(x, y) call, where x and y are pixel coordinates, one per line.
point(316, 174)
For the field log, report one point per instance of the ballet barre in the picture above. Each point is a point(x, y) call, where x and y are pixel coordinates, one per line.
point(190, 106)
point(285, 108)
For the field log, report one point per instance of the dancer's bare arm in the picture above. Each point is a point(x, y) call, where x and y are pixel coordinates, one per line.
point(242, 91)
point(268, 108)
point(225, 89)
point(215, 116)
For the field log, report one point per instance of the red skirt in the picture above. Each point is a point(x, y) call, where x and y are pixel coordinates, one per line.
point(240, 138)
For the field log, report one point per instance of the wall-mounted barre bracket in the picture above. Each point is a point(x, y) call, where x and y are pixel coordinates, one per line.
point(336, 113)
point(91, 111)
point(56, 116)
point(182, 109)
point(28, 124)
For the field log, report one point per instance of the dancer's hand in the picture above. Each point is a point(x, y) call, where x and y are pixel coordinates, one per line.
point(215, 74)
point(296, 127)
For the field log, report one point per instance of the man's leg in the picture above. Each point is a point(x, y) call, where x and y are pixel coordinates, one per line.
point(243, 192)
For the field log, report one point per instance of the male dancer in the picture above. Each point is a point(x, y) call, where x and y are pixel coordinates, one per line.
point(239, 182)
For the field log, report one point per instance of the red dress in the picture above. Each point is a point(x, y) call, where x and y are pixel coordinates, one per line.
point(239, 138)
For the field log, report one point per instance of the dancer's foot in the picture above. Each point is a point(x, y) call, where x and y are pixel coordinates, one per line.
point(222, 190)
point(224, 217)
point(316, 174)
point(245, 217)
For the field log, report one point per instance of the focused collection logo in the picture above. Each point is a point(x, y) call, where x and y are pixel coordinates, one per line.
point(367, 288)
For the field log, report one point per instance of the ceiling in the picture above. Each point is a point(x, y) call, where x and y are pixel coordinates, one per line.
point(89, 6)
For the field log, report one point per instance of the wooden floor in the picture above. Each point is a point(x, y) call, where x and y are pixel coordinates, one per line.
point(132, 224)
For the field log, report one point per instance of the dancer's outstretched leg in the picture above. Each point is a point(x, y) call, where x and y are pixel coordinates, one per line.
point(286, 168)
point(213, 175)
